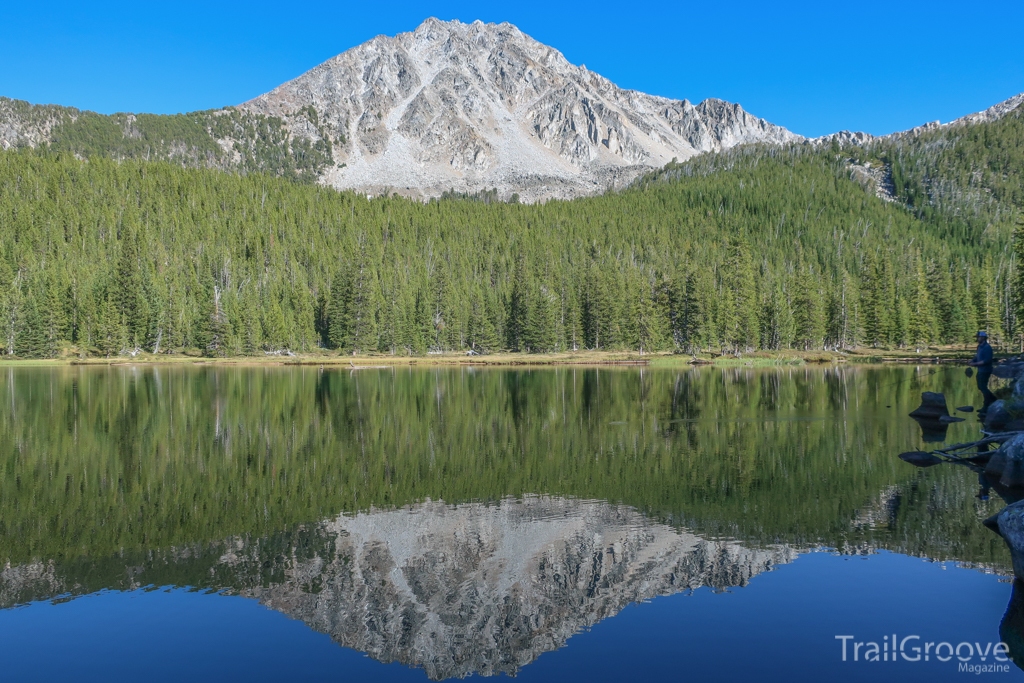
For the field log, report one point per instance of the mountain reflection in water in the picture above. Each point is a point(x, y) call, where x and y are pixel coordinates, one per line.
point(474, 588)
point(486, 589)
point(317, 494)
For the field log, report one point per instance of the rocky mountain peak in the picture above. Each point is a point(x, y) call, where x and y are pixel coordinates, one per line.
point(468, 107)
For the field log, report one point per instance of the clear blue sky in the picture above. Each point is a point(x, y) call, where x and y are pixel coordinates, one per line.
point(812, 67)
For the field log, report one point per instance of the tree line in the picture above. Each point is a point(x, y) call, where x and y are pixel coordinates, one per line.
point(758, 248)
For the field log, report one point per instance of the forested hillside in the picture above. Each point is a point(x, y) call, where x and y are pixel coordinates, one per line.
point(761, 247)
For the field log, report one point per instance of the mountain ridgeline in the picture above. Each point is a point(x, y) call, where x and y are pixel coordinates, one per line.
point(760, 247)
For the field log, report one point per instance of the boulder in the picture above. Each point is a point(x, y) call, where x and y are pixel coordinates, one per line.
point(933, 406)
point(920, 458)
point(1008, 369)
point(1005, 416)
point(1006, 466)
point(1009, 523)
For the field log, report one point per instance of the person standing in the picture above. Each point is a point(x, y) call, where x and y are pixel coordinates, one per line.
point(983, 361)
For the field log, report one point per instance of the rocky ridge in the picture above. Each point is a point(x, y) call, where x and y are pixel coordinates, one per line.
point(993, 113)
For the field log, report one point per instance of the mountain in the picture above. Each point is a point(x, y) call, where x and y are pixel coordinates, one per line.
point(449, 107)
point(466, 107)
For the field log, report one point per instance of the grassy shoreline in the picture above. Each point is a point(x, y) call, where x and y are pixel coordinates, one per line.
point(610, 358)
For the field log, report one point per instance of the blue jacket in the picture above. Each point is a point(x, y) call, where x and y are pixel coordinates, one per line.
point(984, 355)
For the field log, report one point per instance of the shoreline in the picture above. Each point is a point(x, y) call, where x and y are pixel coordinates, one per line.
point(940, 355)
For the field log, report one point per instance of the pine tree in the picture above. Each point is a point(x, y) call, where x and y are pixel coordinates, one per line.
point(539, 332)
point(362, 314)
point(9, 313)
point(741, 322)
point(777, 326)
point(31, 341)
point(110, 331)
point(985, 296)
point(922, 323)
point(879, 302)
point(808, 313)
point(128, 289)
point(515, 322)
point(698, 314)
point(841, 326)
point(338, 307)
point(217, 343)
point(483, 337)
point(601, 306)
point(275, 332)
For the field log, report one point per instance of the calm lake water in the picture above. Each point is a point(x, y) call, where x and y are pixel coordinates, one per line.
point(274, 523)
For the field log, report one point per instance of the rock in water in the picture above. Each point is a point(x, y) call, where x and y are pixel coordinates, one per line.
point(1005, 416)
point(920, 458)
point(1009, 523)
point(933, 406)
point(965, 409)
point(1006, 465)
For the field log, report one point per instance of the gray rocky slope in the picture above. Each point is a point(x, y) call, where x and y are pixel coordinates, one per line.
point(465, 107)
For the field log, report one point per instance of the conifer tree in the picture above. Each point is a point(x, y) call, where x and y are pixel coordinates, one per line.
point(808, 313)
point(539, 332)
point(741, 322)
point(275, 332)
point(879, 302)
point(841, 331)
point(777, 326)
point(363, 304)
point(985, 295)
point(338, 307)
point(940, 292)
point(699, 331)
point(217, 343)
point(922, 327)
point(9, 313)
point(110, 331)
point(483, 337)
point(517, 308)
point(128, 288)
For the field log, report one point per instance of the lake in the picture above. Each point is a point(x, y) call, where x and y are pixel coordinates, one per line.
point(291, 523)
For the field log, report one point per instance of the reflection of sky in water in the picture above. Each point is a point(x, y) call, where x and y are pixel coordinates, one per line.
point(780, 627)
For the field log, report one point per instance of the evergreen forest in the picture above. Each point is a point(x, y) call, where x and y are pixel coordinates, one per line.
point(770, 248)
